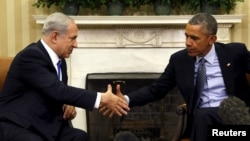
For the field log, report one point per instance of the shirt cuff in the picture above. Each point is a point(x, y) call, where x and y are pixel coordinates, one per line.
point(98, 100)
point(127, 98)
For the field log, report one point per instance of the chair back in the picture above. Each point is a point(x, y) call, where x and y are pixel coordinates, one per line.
point(4, 68)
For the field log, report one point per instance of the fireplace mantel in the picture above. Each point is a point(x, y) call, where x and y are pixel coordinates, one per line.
point(140, 31)
point(142, 20)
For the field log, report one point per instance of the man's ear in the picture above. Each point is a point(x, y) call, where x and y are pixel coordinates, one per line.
point(54, 36)
point(212, 39)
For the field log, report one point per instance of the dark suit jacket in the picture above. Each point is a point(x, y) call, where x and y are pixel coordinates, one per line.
point(33, 96)
point(234, 61)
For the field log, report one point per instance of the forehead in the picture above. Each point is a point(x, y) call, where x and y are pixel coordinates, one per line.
point(72, 28)
point(194, 29)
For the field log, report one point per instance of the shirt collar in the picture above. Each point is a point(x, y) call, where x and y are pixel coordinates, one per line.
point(210, 55)
point(53, 56)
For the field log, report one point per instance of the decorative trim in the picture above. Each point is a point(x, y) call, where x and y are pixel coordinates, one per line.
point(142, 20)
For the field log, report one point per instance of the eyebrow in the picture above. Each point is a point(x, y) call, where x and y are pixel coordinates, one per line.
point(73, 37)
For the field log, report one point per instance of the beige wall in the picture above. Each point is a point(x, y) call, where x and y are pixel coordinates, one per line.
point(18, 27)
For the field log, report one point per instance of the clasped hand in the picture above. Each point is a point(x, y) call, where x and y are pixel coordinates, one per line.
point(69, 112)
point(113, 104)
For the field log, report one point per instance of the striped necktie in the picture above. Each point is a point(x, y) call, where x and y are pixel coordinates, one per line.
point(200, 80)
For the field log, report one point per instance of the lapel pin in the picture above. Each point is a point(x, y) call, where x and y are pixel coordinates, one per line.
point(228, 64)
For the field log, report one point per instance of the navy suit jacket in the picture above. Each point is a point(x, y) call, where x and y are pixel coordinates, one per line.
point(234, 59)
point(32, 96)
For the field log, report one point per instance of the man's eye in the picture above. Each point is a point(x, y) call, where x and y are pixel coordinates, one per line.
point(195, 38)
point(73, 38)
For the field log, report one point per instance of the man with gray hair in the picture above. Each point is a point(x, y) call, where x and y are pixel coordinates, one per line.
point(36, 103)
point(126, 136)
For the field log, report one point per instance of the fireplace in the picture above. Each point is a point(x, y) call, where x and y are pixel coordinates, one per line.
point(148, 122)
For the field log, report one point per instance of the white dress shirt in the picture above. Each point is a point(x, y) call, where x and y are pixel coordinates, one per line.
point(214, 90)
point(54, 58)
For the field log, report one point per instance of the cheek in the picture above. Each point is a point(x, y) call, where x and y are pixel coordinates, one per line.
point(203, 47)
point(65, 45)
point(201, 44)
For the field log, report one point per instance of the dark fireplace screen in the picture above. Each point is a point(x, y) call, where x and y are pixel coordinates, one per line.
point(148, 122)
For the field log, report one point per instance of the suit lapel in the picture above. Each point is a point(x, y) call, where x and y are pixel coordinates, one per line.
point(63, 67)
point(64, 71)
point(189, 73)
point(226, 65)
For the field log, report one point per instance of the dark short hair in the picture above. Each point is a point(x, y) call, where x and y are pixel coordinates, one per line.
point(207, 21)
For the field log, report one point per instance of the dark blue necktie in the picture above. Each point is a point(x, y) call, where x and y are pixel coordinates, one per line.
point(59, 69)
point(200, 80)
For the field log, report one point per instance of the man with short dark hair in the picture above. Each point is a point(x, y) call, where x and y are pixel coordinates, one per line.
point(223, 73)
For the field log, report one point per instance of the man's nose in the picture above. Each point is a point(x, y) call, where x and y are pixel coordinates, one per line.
point(75, 45)
point(188, 42)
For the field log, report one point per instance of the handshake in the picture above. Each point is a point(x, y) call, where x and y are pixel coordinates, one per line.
point(111, 104)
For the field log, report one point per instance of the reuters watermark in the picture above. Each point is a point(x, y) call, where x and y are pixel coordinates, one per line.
point(241, 132)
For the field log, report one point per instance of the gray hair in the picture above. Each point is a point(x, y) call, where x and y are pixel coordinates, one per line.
point(56, 22)
point(126, 136)
point(207, 21)
point(233, 110)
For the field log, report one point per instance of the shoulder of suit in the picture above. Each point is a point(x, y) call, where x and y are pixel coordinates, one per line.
point(180, 52)
point(232, 44)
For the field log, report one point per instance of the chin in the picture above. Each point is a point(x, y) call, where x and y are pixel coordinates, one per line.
point(192, 54)
point(66, 56)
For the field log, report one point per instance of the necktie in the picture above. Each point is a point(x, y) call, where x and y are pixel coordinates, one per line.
point(59, 69)
point(201, 79)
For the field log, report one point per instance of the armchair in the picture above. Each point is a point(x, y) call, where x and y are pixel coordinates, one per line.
point(5, 64)
point(181, 111)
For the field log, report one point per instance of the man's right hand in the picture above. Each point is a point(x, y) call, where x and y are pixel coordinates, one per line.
point(110, 103)
point(119, 93)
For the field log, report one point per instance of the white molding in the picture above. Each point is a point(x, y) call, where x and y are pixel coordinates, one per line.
point(142, 20)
